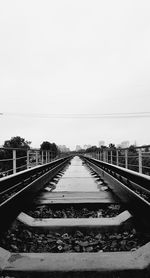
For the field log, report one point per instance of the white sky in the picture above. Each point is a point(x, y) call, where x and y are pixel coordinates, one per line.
point(80, 56)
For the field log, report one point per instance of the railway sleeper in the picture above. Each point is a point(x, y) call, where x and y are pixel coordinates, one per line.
point(114, 265)
point(123, 220)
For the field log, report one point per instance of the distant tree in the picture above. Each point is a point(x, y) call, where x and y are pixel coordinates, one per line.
point(147, 149)
point(91, 149)
point(52, 147)
point(46, 146)
point(81, 151)
point(17, 142)
point(112, 146)
point(22, 146)
point(132, 149)
point(102, 147)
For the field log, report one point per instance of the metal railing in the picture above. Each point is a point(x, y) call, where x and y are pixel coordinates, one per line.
point(137, 160)
point(18, 159)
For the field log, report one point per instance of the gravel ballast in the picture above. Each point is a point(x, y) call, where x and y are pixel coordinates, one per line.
point(73, 212)
point(21, 239)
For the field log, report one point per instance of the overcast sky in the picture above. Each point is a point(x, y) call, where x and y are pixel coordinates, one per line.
point(78, 57)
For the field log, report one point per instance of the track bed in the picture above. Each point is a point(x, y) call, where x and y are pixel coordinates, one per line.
point(76, 226)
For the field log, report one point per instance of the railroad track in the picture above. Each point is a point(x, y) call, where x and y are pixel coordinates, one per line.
point(84, 219)
point(19, 188)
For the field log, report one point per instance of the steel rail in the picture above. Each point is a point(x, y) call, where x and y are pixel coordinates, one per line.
point(120, 183)
point(11, 180)
point(32, 181)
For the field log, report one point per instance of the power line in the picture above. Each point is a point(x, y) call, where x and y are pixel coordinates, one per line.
point(80, 116)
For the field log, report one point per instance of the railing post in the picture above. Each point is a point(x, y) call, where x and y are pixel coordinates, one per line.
point(117, 157)
point(107, 157)
point(140, 161)
point(106, 160)
point(46, 156)
point(101, 155)
point(36, 157)
point(42, 158)
point(105, 154)
point(28, 159)
point(126, 159)
point(14, 161)
point(104, 157)
point(111, 158)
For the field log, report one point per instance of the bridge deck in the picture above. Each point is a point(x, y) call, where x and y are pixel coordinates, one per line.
point(77, 178)
point(77, 185)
